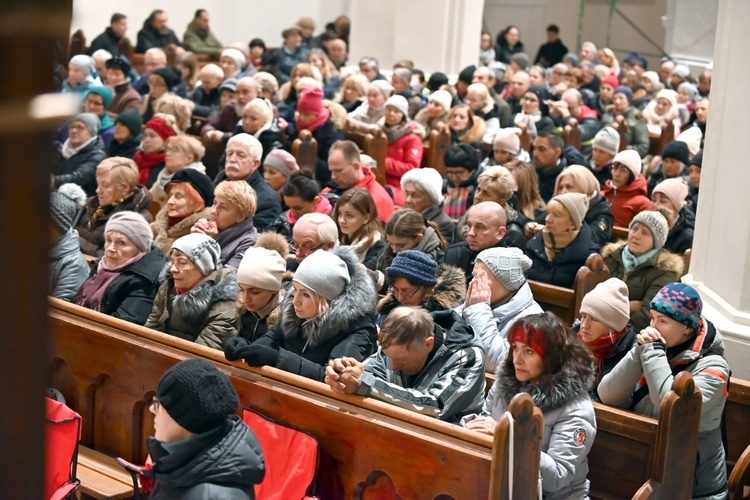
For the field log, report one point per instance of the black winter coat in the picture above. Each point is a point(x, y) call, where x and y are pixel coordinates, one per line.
point(126, 149)
point(107, 41)
point(445, 224)
point(547, 179)
point(600, 219)
point(208, 103)
point(81, 167)
point(269, 206)
point(680, 237)
point(149, 38)
point(562, 270)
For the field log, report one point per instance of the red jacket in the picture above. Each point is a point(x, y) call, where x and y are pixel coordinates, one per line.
point(403, 155)
point(627, 201)
point(383, 200)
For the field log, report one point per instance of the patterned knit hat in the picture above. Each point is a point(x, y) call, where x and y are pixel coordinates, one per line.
point(675, 189)
point(655, 223)
point(415, 266)
point(680, 302)
point(202, 250)
point(508, 265)
point(608, 302)
point(63, 204)
point(576, 204)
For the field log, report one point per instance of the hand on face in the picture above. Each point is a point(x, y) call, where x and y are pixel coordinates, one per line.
point(649, 335)
point(479, 290)
point(207, 227)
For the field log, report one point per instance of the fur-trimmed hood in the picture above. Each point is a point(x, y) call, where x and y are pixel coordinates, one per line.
point(195, 304)
point(449, 291)
point(164, 236)
point(664, 260)
point(358, 300)
point(474, 134)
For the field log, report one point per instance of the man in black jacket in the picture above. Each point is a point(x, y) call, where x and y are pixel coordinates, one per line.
point(110, 39)
point(156, 33)
point(548, 161)
point(553, 51)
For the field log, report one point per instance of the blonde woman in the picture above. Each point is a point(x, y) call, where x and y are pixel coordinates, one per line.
point(353, 92)
point(181, 151)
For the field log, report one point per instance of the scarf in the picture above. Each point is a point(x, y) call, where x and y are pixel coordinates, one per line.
point(172, 221)
point(362, 246)
point(554, 243)
point(323, 207)
point(602, 348)
point(630, 261)
point(106, 209)
point(396, 132)
point(454, 204)
point(68, 151)
point(93, 290)
point(313, 125)
point(183, 291)
point(146, 162)
point(105, 122)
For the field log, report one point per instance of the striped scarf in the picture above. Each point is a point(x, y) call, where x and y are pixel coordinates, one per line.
point(454, 204)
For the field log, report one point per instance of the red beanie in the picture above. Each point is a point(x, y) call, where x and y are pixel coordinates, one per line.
point(162, 129)
point(611, 80)
point(535, 338)
point(311, 101)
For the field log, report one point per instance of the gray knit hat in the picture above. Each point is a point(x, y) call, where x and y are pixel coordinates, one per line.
point(261, 268)
point(609, 303)
point(508, 265)
point(324, 273)
point(608, 140)
point(63, 204)
point(282, 161)
point(577, 204)
point(90, 121)
point(133, 226)
point(428, 180)
point(202, 250)
point(400, 103)
point(655, 223)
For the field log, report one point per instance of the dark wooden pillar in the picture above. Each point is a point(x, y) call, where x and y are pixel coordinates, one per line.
point(29, 31)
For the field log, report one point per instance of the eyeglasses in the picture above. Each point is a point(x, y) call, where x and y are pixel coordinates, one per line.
point(404, 293)
point(297, 249)
point(454, 173)
point(77, 127)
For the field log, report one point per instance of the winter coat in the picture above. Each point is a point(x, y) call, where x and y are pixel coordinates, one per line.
point(222, 463)
point(658, 175)
point(562, 270)
point(404, 154)
point(449, 385)
point(130, 296)
point(67, 268)
point(445, 224)
point(459, 206)
point(234, 242)
point(253, 325)
point(547, 179)
point(207, 103)
point(472, 136)
point(125, 98)
point(81, 167)
point(649, 365)
point(461, 256)
point(628, 201)
point(602, 174)
point(201, 41)
point(637, 135)
point(283, 61)
point(225, 121)
point(383, 200)
point(569, 422)
point(600, 219)
point(149, 37)
point(588, 121)
point(429, 245)
point(91, 234)
point(621, 348)
point(269, 206)
point(430, 124)
point(492, 325)
point(107, 41)
point(164, 236)
point(645, 281)
point(125, 149)
point(503, 52)
point(449, 291)
point(680, 237)
point(206, 314)
point(346, 329)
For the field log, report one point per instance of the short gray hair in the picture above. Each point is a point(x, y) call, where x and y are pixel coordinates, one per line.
point(251, 144)
point(328, 232)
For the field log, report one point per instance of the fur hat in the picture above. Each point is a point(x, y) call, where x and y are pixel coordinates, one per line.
point(508, 265)
point(324, 273)
point(668, 94)
point(631, 159)
point(261, 268)
point(133, 226)
point(677, 150)
point(576, 204)
point(625, 90)
point(282, 161)
point(680, 302)
point(202, 250)
point(609, 303)
point(400, 103)
point(415, 266)
point(90, 121)
point(197, 395)
point(132, 120)
point(655, 223)
point(64, 204)
point(428, 180)
point(508, 139)
point(199, 181)
point(442, 97)
point(607, 140)
point(675, 189)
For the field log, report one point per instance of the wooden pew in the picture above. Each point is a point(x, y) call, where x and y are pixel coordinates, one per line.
point(101, 477)
point(305, 150)
point(739, 480)
point(572, 134)
point(737, 419)
point(619, 233)
point(434, 153)
point(525, 139)
point(77, 44)
point(108, 371)
point(658, 142)
point(376, 146)
point(622, 127)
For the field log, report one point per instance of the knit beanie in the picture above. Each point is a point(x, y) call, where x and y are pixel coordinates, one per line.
point(229, 84)
point(691, 136)
point(631, 159)
point(655, 223)
point(611, 80)
point(282, 161)
point(236, 56)
point(571, 58)
point(90, 121)
point(171, 76)
point(467, 74)
point(161, 128)
point(384, 87)
point(64, 204)
point(104, 92)
point(324, 273)
point(310, 101)
point(200, 182)
point(668, 94)
point(508, 265)
point(428, 180)
point(197, 395)
point(653, 78)
point(521, 59)
point(133, 226)
point(400, 103)
point(697, 159)
point(85, 63)
point(261, 268)
point(675, 189)
point(437, 80)
point(680, 302)
point(607, 140)
point(624, 90)
point(677, 150)
point(415, 266)
point(691, 89)
point(577, 204)
point(461, 155)
point(508, 140)
point(442, 97)
point(681, 70)
point(609, 303)
point(132, 120)
point(202, 250)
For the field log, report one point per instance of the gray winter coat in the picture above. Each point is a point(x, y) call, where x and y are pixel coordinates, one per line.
point(704, 359)
point(492, 325)
point(67, 269)
point(234, 242)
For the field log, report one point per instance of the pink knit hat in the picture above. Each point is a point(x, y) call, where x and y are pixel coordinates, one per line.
point(675, 189)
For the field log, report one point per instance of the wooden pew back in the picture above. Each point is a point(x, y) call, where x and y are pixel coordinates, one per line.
point(439, 142)
point(305, 150)
point(77, 44)
point(376, 146)
point(572, 134)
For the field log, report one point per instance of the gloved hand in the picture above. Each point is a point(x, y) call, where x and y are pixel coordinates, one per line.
point(234, 348)
point(260, 355)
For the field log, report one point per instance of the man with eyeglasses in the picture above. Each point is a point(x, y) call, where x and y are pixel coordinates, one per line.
point(312, 232)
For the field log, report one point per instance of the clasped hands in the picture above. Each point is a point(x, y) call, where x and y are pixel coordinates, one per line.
point(343, 375)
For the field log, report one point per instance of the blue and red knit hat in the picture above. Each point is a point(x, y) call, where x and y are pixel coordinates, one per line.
point(680, 302)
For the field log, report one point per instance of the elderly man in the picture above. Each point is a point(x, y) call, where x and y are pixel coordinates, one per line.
point(486, 228)
point(220, 127)
point(571, 107)
point(198, 37)
point(548, 161)
point(347, 172)
point(243, 155)
point(588, 52)
point(154, 59)
point(312, 232)
point(156, 33)
point(112, 36)
point(338, 52)
point(100, 58)
point(369, 67)
point(207, 96)
point(429, 363)
point(126, 97)
point(665, 72)
point(518, 87)
point(401, 82)
point(486, 76)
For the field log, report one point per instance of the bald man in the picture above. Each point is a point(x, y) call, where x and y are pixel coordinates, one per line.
point(486, 76)
point(207, 96)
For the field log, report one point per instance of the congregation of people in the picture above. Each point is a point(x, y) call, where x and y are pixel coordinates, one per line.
point(407, 291)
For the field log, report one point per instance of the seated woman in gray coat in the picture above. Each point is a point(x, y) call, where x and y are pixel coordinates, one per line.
point(67, 269)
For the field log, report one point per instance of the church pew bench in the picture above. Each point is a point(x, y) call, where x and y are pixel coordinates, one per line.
point(101, 477)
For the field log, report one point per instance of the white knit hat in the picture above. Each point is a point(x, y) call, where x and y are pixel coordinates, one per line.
point(668, 94)
point(576, 204)
point(324, 273)
point(202, 250)
point(443, 97)
point(384, 87)
point(631, 159)
point(261, 268)
point(609, 303)
point(400, 103)
point(508, 139)
point(428, 180)
point(508, 265)
point(236, 56)
point(692, 137)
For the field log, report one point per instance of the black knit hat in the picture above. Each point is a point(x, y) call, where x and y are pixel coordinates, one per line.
point(461, 155)
point(437, 80)
point(120, 63)
point(132, 120)
point(543, 95)
point(467, 74)
point(201, 182)
point(171, 76)
point(197, 395)
point(415, 266)
point(677, 150)
point(698, 159)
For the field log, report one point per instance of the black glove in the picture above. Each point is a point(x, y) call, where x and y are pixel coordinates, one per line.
point(234, 348)
point(260, 355)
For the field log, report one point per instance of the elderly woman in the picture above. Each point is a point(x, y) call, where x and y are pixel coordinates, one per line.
point(435, 114)
point(579, 179)
point(302, 195)
point(160, 84)
point(68, 268)
point(327, 314)
point(404, 145)
point(189, 194)
point(622, 110)
point(81, 76)
point(196, 302)
point(258, 121)
point(289, 55)
point(534, 115)
point(151, 155)
point(356, 216)
point(126, 278)
point(127, 135)
point(626, 192)
point(423, 193)
point(80, 154)
point(483, 106)
point(117, 191)
point(231, 222)
point(565, 242)
point(353, 92)
point(232, 62)
point(181, 151)
point(96, 100)
point(465, 127)
point(643, 263)
point(278, 166)
point(365, 118)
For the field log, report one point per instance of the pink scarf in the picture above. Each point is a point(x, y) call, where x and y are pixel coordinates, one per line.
point(313, 125)
point(92, 292)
